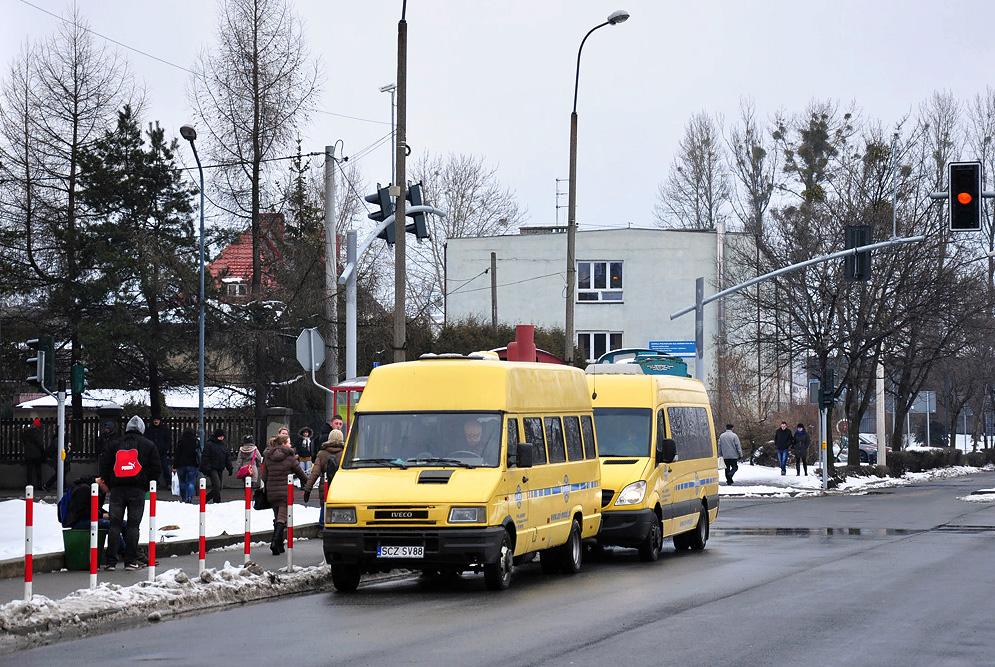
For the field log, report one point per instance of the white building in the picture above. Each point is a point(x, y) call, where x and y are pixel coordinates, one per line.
point(629, 281)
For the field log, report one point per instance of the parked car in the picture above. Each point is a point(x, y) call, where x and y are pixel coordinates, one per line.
point(867, 447)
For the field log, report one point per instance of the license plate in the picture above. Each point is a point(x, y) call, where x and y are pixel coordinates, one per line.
point(400, 552)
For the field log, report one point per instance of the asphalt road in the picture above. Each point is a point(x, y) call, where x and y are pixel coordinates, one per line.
point(903, 576)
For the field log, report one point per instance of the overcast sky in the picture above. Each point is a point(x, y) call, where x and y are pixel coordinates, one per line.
point(495, 78)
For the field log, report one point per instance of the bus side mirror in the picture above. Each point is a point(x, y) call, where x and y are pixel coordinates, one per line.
point(524, 454)
point(666, 451)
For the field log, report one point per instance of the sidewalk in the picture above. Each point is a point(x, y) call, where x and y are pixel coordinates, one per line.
point(60, 583)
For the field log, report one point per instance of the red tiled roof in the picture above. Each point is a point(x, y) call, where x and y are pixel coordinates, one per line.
point(235, 261)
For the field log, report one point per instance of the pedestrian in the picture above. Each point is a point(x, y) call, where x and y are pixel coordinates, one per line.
point(783, 441)
point(306, 448)
point(326, 463)
point(731, 451)
point(160, 434)
point(33, 446)
point(336, 423)
point(128, 466)
point(108, 434)
point(279, 461)
point(802, 442)
point(215, 459)
point(186, 460)
point(248, 460)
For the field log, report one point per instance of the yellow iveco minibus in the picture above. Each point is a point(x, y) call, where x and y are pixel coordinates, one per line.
point(657, 451)
point(458, 464)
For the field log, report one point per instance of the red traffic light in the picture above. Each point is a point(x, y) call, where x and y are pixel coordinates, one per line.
point(964, 198)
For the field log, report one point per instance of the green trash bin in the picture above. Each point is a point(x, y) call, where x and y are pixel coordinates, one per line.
point(77, 548)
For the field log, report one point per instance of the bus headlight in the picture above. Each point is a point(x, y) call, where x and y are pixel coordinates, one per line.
point(632, 494)
point(467, 515)
point(340, 515)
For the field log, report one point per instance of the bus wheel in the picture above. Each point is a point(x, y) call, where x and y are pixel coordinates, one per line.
point(497, 576)
point(682, 541)
point(345, 577)
point(571, 553)
point(649, 550)
point(699, 535)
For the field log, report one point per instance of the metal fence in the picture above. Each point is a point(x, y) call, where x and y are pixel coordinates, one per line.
point(12, 451)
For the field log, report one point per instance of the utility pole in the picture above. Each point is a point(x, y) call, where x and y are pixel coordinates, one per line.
point(494, 291)
point(400, 336)
point(331, 288)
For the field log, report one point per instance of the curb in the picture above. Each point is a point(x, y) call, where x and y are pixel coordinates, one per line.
point(55, 561)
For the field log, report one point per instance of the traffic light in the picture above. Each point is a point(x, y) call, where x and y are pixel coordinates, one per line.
point(419, 226)
point(858, 265)
point(42, 365)
point(827, 393)
point(965, 196)
point(382, 199)
point(79, 378)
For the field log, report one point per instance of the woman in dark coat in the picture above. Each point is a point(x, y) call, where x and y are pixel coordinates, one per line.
point(802, 442)
point(280, 460)
point(186, 458)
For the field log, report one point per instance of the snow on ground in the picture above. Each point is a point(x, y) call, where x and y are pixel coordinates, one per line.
point(753, 481)
point(23, 623)
point(174, 521)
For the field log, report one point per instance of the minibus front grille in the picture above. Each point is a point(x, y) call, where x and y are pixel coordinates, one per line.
point(396, 522)
point(606, 497)
point(619, 462)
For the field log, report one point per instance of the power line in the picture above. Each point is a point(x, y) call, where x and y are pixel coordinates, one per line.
point(516, 282)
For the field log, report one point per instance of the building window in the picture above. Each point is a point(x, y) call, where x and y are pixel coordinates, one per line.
point(599, 281)
point(237, 289)
point(592, 344)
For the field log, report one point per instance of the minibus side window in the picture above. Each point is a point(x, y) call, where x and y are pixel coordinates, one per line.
point(661, 429)
point(533, 436)
point(554, 439)
point(571, 429)
point(512, 443)
point(587, 427)
point(690, 429)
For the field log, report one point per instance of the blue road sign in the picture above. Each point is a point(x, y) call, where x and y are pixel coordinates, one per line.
point(675, 348)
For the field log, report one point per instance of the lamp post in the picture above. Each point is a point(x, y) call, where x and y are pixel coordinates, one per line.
point(613, 19)
point(190, 134)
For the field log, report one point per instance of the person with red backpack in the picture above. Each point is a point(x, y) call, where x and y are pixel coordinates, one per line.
point(129, 463)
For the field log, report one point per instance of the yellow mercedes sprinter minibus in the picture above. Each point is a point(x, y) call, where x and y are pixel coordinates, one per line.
point(458, 464)
point(657, 451)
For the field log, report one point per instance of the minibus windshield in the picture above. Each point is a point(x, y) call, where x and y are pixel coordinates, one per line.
point(424, 439)
point(623, 431)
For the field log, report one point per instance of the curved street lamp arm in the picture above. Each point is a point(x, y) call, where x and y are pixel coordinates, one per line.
point(577, 76)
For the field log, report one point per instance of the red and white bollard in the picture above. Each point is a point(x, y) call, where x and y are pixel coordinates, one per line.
point(94, 518)
point(290, 523)
point(152, 487)
point(29, 519)
point(203, 526)
point(248, 519)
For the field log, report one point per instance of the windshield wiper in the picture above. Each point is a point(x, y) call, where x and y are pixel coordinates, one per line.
point(442, 461)
point(389, 463)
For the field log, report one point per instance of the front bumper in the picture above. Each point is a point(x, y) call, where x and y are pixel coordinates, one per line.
point(443, 547)
point(625, 528)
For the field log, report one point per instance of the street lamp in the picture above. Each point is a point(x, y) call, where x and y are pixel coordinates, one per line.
point(190, 134)
point(614, 18)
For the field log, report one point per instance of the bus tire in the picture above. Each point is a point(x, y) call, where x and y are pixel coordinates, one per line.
point(571, 553)
point(682, 542)
point(649, 550)
point(497, 576)
point(345, 577)
point(699, 536)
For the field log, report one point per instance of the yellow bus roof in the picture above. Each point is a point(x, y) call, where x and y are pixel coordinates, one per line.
point(475, 384)
point(645, 391)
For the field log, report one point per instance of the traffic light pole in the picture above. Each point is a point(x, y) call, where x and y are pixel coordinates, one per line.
point(60, 463)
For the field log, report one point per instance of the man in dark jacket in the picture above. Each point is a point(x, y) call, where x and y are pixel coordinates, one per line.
point(162, 437)
point(783, 441)
point(108, 434)
point(802, 442)
point(213, 461)
point(129, 464)
point(33, 446)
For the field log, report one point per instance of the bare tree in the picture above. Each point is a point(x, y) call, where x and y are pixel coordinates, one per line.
point(252, 91)
point(61, 94)
point(696, 193)
point(476, 204)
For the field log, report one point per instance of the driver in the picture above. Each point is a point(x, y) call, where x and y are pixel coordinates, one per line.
point(472, 431)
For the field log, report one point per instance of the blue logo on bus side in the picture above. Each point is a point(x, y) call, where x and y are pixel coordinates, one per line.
point(518, 496)
point(566, 489)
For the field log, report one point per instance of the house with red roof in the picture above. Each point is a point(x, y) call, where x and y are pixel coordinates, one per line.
point(232, 269)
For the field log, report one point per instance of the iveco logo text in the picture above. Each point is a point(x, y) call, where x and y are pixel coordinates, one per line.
point(402, 515)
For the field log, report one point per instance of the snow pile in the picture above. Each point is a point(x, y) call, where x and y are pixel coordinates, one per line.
point(174, 521)
point(24, 623)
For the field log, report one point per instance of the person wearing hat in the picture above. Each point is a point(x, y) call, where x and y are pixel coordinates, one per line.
point(327, 462)
point(33, 446)
point(249, 458)
point(305, 447)
point(214, 461)
point(802, 442)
